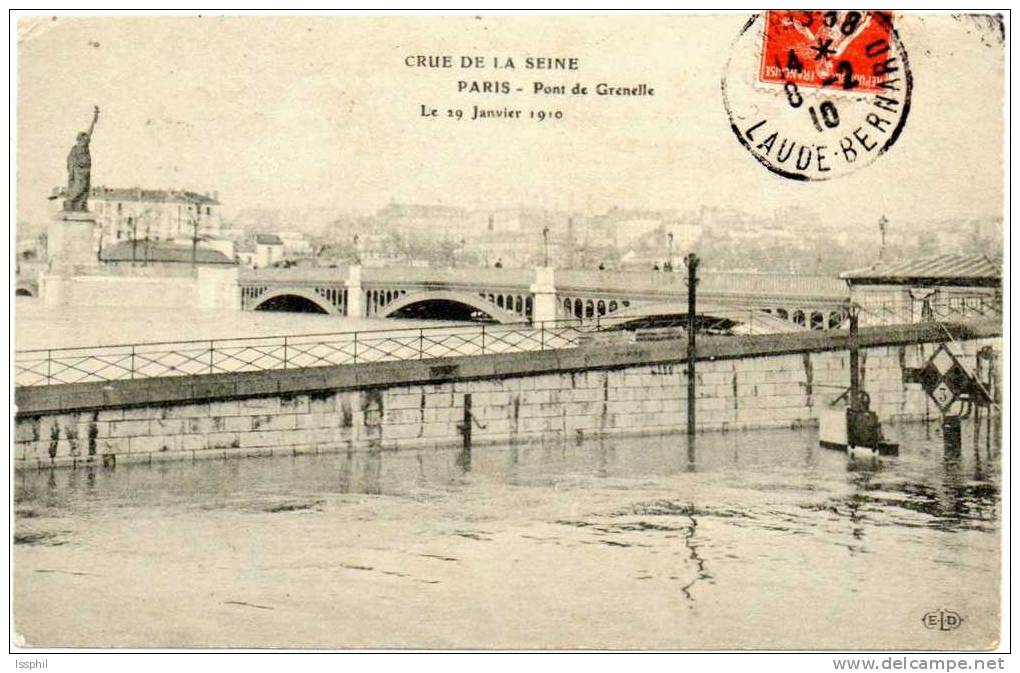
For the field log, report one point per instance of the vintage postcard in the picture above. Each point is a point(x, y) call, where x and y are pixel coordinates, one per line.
point(629, 331)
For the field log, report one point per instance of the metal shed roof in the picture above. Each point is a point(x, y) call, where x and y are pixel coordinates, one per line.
point(940, 269)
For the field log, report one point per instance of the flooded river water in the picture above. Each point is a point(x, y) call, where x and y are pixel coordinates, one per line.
point(744, 540)
point(39, 326)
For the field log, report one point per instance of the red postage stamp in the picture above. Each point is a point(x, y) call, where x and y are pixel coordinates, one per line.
point(826, 49)
point(813, 95)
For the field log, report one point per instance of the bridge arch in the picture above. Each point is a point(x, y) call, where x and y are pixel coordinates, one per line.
point(308, 295)
point(448, 298)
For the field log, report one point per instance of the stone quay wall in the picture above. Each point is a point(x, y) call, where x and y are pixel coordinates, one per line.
point(601, 389)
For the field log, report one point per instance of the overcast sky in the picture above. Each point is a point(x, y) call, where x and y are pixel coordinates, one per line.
point(322, 112)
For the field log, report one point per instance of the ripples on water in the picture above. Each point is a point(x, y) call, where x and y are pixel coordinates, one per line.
point(755, 539)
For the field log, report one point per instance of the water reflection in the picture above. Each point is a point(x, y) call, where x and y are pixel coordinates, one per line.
point(699, 563)
point(933, 478)
point(354, 474)
point(596, 525)
point(464, 459)
point(958, 489)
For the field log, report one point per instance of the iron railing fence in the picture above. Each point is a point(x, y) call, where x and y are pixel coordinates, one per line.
point(216, 356)
point(40, 367)
point(962, 308)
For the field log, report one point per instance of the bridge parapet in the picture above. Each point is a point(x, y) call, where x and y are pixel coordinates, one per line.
point(476, 277)
point(710, 282)
point(632, 282)
point(296, 275)
point(813, 301)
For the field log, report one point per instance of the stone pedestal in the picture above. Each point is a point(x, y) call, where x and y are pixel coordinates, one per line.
point(543, 308)
point(355, 296)
point(69, 251)
point(69, 242)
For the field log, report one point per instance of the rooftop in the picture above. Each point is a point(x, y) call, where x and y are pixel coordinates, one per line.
point(268, 239)
point(145, 195)
point(158, 251)
point(948, 269)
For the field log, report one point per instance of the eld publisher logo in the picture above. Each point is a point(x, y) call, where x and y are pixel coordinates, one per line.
point(942, 620)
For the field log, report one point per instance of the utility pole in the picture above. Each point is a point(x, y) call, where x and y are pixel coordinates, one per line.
point(692, 262)
point(853, 346)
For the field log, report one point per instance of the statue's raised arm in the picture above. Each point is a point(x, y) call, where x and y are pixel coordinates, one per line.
point(95, 118)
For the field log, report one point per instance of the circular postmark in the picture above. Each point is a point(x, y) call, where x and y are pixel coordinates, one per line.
point(814, 95)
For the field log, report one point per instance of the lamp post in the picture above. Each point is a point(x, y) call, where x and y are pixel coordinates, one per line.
point(691, 261)
point(545, 244)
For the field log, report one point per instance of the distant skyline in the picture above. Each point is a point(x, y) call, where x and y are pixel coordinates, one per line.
point(322, 113)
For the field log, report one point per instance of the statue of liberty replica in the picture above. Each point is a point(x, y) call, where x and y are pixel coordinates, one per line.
point(79, 169)
point(70, 243)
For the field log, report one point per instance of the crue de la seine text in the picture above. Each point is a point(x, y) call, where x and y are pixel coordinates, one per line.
point(504, 84)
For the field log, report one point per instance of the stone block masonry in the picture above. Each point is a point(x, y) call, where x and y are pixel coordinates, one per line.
point(570, 395)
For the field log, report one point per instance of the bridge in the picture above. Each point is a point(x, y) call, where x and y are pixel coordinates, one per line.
point(538, 295)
